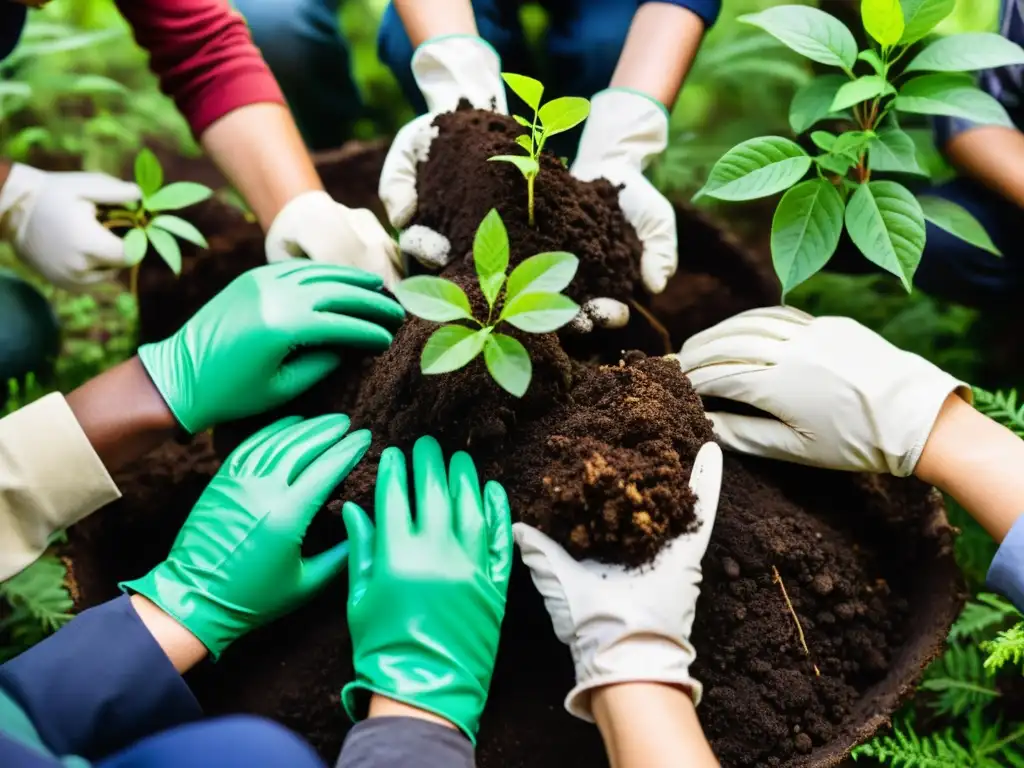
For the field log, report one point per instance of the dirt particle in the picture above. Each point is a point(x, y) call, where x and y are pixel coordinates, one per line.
point(731, 568)
point(803, 743)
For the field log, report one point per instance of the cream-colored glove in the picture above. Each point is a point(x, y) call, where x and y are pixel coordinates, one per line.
point(842, 397)
point(315, 226)
point(447, 69)
point(50, 219)
point(626, 625)
point(624, 132)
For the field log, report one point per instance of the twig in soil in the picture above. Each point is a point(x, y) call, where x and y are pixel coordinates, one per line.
point(777, 579)
point(660, 329)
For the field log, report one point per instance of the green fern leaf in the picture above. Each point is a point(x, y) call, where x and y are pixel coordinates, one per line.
point(961, 681)
point(984, 745)
point(981, 615)
point(1006, 648)
point(1001, 406)
point(40, 604)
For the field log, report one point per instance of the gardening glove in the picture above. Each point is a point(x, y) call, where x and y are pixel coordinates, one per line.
point(624, 624)
point(625, 130)
point(237, 562)
point(834, 394)
point(267, 338)
point(50, 219)
point(447, 69)
point(426, 598)
point(314, 226)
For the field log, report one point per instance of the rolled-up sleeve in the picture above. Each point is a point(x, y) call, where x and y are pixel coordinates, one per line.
point(708, 10)
point(50, 478)
point(1006, 574)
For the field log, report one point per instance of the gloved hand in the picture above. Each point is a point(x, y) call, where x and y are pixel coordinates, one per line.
point(624, 132)
point(313, 225)
point(447, 69)
point(628, 625)
point(836, 394)
point(50, 219)
point(237, 562)
point(237, 356)
point(426, 599)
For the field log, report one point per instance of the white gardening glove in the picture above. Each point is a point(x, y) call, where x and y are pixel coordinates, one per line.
point(447, 69)
point(628, 625)
point(835, 394)
point(50, 219)
point(624, 132)
point(315, 226)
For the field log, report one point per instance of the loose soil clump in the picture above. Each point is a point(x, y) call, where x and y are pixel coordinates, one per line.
point(598, 455)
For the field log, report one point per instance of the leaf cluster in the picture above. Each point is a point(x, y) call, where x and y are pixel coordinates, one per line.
point(39, 605)
point(532, 302)
point(883, 218)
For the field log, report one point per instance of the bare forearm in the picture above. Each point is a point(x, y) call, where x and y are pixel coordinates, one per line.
point(662, 43)
point(382, 706)
point(260, 151)
point(182, 647)
point(994, 156)
point(424, 19)
point(979, 463)
point(648, 725)
point(122, 414)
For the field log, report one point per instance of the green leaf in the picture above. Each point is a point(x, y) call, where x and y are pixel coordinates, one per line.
point(952, 95)
point(490, 255)
point(757, 168)
point(526, 165)
point(922, 16)
point(813, 102)
point(173, 197)
point(883, 20)
point(523, 121)
point(539, 312)
point(871, 57)
point(135, 246)
point(451, 347)
point(838, 164)
point(181, 228)
point(544, 273)
point(957, 221)
point(148, 173)
point(966, 53)
point(96, 85)
point(886, 223)
point(859, 90)
point(810, 32)
point(805, 231)
point(852, 143)
point(509, 363)
point(824, 140)
point(562, 114)
point(893, 151)
point(526, 88)
point(433, 298)
point(166, 246)
point(525, 142)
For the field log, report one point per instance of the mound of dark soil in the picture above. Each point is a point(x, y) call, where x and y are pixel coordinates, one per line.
point(597, 455)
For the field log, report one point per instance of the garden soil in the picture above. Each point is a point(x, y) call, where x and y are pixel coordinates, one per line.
point(597, 453)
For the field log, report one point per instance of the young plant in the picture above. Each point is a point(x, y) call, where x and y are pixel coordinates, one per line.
point(885, 220)
point(557, 116)
point(148, 224)
point(532, 302)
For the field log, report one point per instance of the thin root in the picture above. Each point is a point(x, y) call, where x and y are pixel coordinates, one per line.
point(777, 579)
point(660, 329)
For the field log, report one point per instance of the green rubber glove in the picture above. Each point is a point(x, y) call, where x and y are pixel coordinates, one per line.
point(237, 562)
point(236, 356)
point(426, 598)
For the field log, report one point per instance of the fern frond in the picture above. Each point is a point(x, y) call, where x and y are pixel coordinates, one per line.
point(1006, 648)
point(961, 681)
point(984, 745)
point(986, 612)
point(40, 604)
point(1002, 407)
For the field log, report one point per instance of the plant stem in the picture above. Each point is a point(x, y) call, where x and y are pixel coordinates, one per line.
point(660, 329)
point(777, 579)
point(529, 195)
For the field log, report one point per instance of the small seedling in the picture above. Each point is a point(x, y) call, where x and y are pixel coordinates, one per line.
point(557, 116)
point(148, 224)
point(532, 302)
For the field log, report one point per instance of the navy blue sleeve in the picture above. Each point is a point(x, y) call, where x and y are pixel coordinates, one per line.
point(1006, 574)
point(99, 684)
point(392, 742)
point(708, 10)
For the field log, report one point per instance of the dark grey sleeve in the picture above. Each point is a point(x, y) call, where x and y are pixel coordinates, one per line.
point(405, 742)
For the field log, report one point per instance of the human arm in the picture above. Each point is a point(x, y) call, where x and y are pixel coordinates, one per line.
point(993, 155)
point(395, 733)
point(424, 19)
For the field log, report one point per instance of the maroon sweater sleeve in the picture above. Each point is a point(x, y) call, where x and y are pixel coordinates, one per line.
point(204, 56)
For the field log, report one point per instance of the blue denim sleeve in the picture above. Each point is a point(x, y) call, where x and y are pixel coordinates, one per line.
point(708, 10)
point(387, 741)
point(98, 684)
point(1006, 574)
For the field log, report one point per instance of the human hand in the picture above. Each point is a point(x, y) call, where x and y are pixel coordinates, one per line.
point(237, 562)
point(50, 219)
point(835, 394)
point(313, 225)
point(624, 132)
point(426, 599)
point(447, 69)
point(236, 357)
point(628, 625)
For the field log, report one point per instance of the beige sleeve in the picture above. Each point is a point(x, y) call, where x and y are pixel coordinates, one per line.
point(50, 478)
